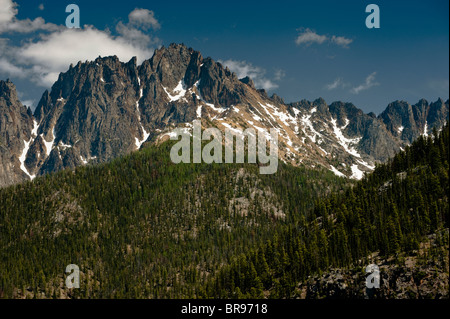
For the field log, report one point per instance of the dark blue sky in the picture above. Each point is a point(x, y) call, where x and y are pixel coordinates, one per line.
point(407, 58)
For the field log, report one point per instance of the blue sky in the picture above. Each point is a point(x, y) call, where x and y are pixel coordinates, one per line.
point(297, 49)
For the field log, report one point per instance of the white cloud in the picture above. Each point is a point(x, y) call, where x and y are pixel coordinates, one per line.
point(307, 37)
point(257, 74)
point(9, 22)
point(139, 21)
point(132, 34)
point(337, 83)
point(369, 82)
point(45, 49)
point(341, 41)
point(8, 11)
point(11, 69)
point(28, 26)
point(143, 18)
point(55, 52)
point(42, 56)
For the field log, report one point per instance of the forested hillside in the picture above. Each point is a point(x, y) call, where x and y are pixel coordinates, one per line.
point(390, 212)
point(143, 227)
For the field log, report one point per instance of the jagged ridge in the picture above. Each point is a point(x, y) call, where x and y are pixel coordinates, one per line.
point(105, 108)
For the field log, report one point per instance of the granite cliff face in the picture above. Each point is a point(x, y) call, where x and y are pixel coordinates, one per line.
point(16, 126)
point(407, 121)
point(102, 109)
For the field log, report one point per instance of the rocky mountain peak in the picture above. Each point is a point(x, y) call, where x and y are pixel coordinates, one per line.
point(15, 117)
point(7, 90)
point(170, 64)
point(247, 80)
point(277, 99)
point(98, 110)
point(409, 121)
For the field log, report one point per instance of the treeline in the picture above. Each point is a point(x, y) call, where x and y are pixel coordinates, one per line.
point(389, 211)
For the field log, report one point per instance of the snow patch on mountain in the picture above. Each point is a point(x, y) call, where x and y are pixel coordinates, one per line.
point(22, 158)
point(64, 146)
point(306, 120)
point(217, 109)
point(49, 145)
point(269, 113)
point(173, 133)
point(356, 172)
point(369, 166)
point(425, 129)
point(139, 142)
point(35, 128)
point(238, 131)
point(86, 160)
point(346, 143)
point(179, 90)
point(200, 97)
point(336, 172)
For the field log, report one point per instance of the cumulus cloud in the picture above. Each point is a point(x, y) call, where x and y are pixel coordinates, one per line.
point(307, 37)
point(139, 21)
point(369, 82)
point(56, 51)
point(11, 69)
point(133, 35)
point(7, 11)
point(42, 56)
point(28, 26)
point(9, 23)
point(257, 74)
point(143, 18)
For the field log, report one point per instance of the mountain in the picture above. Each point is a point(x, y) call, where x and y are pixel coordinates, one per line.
point(396, 218)
point(408, 122)
point(102, 109)
point(140, 226)
point(16, 129)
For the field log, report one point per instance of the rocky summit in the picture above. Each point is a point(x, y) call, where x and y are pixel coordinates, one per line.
point(101, 109)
